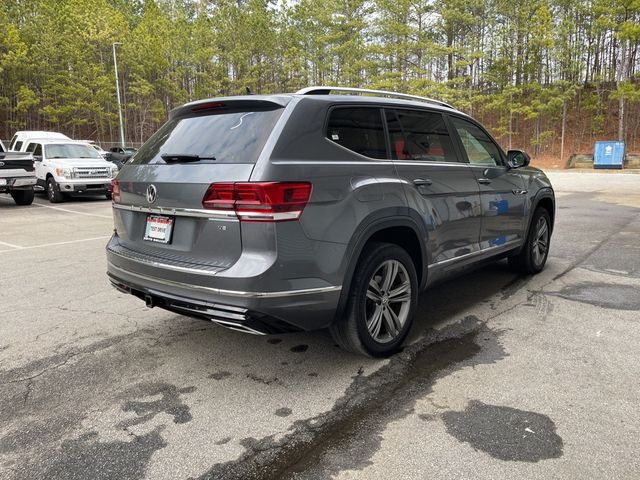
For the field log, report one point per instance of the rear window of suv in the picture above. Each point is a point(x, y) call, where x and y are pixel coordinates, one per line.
point(227, 137)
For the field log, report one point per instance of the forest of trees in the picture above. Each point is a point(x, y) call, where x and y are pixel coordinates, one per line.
point(528, 69)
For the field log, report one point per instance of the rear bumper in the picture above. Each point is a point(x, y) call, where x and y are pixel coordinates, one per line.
point(17, 182)
point(257, 312)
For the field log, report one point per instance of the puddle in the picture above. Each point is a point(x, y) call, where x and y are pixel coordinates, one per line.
point(606, 295)
point(505, 433)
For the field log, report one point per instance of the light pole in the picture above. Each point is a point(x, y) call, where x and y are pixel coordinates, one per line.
point(115, 66)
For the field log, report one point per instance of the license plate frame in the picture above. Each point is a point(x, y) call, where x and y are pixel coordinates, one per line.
point(154, 231)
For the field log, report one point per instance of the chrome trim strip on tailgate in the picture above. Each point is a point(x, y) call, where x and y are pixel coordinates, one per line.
point(166, 266)
point(181, 212)
point(230, 293)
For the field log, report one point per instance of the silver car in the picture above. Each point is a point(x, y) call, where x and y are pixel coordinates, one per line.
point(328, 208)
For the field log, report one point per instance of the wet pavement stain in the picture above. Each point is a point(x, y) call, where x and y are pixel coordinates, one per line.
point(223, 441)
point(606, 295)
point(220, 375)
point(86, 457)
point(274, 341)
point(513, 287)
point(264, 381)
point(300, 348)
point(170, 403)
point(347, 436)
point(505, 433)
point(283, 412)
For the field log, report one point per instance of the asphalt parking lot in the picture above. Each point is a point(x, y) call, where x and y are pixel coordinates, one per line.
point(506, 376)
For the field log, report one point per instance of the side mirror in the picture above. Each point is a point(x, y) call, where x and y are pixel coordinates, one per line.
point(517, 159)
point(37, 158)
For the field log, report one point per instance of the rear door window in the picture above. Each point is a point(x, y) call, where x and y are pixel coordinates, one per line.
point(222, 137)
point(358, 129)
point(18, 146)
point(419, 135)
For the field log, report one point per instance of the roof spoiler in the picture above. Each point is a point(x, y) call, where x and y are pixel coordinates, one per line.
point(239, 103)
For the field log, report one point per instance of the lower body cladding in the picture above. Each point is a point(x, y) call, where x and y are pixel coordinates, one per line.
point(259, 313)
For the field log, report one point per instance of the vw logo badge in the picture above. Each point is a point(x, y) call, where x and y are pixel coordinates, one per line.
point(152, 194)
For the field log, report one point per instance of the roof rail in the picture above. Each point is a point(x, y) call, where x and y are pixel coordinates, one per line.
point(327, 90)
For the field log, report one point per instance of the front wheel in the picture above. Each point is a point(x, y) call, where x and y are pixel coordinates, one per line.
point(54, 195)
point(382, 302)
point(108, 195)
point(533, 256)
point(22, 197)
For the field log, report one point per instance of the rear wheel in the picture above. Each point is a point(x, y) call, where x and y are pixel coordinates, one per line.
point(22, 197)
point(108, 195)
point(533, 256)
point(382, 302)
point(54, 195)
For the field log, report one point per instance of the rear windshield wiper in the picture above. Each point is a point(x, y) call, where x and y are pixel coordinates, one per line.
point(183, 157)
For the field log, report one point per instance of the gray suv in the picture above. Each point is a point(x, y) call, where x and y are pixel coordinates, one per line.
point(327, 208)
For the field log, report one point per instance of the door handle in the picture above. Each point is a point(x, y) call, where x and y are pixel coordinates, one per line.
point(422, 182)
point(484, 181)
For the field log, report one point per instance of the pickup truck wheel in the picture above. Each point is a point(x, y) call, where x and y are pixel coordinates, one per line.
point(108, 195)
point(54, 195)
point(382, 302)
point(533, 256)
point(22, 197)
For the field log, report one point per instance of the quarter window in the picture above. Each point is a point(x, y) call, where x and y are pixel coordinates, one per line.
point(358, 129)
point(18, 146)
point(480, 149)
point(419, 135)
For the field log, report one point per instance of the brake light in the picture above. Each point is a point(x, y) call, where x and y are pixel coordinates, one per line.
point(115, 191)
point(259, 201)
point(207, 106)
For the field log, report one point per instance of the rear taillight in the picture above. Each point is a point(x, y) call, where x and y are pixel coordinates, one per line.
point(259, 201)
point(115, 191)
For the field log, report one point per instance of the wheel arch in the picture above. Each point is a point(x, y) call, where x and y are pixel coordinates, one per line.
point(403, 231)
point(546, 199)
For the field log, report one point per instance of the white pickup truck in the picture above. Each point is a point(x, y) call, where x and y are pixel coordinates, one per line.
point(17, 176)
point(67, 167)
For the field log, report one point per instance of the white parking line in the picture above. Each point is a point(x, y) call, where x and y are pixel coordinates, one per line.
point(62, 209)
point(10, 245)
point(71, 211)
point(44, 245)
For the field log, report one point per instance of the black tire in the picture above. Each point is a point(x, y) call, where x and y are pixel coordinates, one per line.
point(351, 332)
point(53, 193)
point(23, 197)
point(108, 195)
point(528, 260)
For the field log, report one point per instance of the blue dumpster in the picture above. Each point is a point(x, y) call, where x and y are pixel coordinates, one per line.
point(608, 155)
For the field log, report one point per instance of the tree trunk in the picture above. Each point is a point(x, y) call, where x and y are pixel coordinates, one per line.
point(564, 125)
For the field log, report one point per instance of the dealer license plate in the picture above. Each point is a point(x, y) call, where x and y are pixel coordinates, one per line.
point(3, 181)
point(158, 229)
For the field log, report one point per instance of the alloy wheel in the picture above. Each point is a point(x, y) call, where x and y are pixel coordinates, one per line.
point(388, 301)
point(540, 241)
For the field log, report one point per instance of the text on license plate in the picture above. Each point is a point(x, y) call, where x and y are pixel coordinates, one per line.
point(158, 229)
